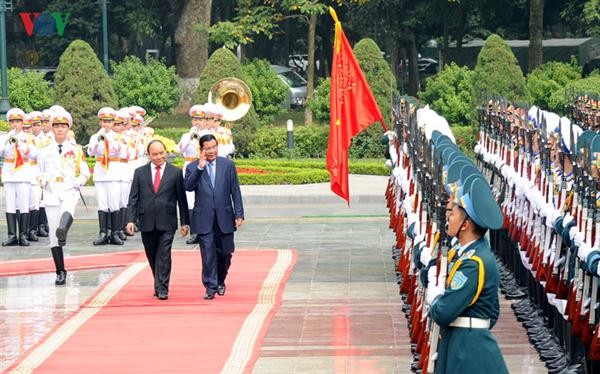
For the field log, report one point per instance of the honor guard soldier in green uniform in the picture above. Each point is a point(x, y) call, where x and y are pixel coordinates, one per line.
point(466, 305)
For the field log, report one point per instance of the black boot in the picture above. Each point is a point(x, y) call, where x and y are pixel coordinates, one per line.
point(33, 225)
point(193, 237)
point(66, 220)
point(11, 222)
point(122, 222)
point(43, 224)
point(115, 222)
point(23, 232)
point(103, 221)
point(59, 264)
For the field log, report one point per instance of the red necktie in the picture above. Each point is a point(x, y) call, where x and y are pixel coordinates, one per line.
point(157, 179)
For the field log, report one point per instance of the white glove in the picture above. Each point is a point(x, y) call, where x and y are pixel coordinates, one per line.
point(404, 185)
point(573, 231)
point(407, 204)
point(425, 256)
point(80, 181)
point(389, 164)
point(433, 290)
point(583, 252)
point(578, 239)
point(478, 148)
point(418, 239)
point(568, 218)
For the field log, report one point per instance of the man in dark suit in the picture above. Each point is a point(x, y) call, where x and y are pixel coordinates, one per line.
point(156, 190)
point(218, 212)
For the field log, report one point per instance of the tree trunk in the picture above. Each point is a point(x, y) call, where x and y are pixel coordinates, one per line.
point(393, 48)
point(310, 71)
point(460, 33)
point(413, 66)
point(192, 45)
point(444, 56)
point(191, 49)
point(536, 33)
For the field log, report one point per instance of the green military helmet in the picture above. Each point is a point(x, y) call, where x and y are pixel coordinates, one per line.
point(479, 203)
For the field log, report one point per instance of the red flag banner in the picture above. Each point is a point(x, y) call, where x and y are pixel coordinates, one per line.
point(18, 157)
point(353, 109)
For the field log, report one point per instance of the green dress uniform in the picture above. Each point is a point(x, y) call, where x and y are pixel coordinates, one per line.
point(468, 307)
point(464, 349)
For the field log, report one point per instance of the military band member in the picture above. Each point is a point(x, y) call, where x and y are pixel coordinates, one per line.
point(63, 172)
point(17, 147)
point(189, 147)
point(107, 180)
point(35, 194)
point(223, 134)
point(122, 136)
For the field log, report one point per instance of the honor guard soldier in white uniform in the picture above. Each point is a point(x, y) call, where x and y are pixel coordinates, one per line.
point(123, 138)
point(189, 147)
point(17, 147)
point(35, 195)
point(47, 135)
point(63, 171)
point(107, 150)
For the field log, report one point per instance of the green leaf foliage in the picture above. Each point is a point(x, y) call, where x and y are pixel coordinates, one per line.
point(28, 90)
point(498, 73)
point(466, 138)
point(152, 86)
point(549, 78)
point(378, 74)
point(173, 133)
point(382, 82)
point(271, 142)
point(449, 94)
point(83, 87)
point(268, 91)
point(560, 99)
point(320, 101)
point(223, 64)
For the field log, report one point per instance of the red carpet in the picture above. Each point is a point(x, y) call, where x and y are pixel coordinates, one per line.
point(123, 328)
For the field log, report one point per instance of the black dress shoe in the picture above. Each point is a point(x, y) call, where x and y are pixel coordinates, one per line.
point(61, 278)
point(162, 296)
point(221, 289)
point(209, 296)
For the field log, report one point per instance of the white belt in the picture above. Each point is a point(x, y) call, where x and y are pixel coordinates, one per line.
point(471, 323)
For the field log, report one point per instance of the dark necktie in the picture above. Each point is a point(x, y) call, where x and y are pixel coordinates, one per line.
point(60, 149)
point(211, 173)
point(157, 179)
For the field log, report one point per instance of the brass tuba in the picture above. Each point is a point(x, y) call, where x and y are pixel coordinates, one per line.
point(233, 96)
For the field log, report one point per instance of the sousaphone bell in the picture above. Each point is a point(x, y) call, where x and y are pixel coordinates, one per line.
point(233, 96)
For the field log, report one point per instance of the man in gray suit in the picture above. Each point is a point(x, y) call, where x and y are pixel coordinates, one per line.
point(156, 190)
point(218, 212)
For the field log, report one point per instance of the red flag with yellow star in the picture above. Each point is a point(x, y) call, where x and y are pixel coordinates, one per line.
point(353, 109)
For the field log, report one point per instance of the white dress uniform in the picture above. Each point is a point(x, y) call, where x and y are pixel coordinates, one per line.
point(107, 170)
point(63, 173)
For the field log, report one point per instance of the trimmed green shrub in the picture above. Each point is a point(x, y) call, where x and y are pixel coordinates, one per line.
point(449, 94)
point(4, 126)
point(551, 77)
point(152, 86)
point(498, 73)
point(271, 142)
point(83, 87)
point(320, 101)
point(173, 133)
point(28, 90)
point(382, 82)
point(559, 100)
point(268, 91)
point(466, 138)
point(222, 64)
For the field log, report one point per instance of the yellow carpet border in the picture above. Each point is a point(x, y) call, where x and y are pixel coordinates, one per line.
point(243, 348)
point(37, 356)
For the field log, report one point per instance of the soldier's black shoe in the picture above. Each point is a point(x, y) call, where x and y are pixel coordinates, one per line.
point(42, 231)
point(11, 222)
point(61, 278)
point(209, 295)
point(102, 239)
point(66, 220)
point(192, 240)
point(23, 242)
point(33, 235)
point(114, 239)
